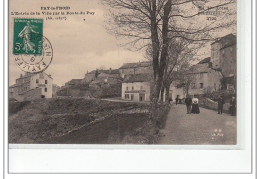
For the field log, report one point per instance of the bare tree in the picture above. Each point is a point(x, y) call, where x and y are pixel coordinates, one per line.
point(156, 22)
point(188, 79)
point(181, 55)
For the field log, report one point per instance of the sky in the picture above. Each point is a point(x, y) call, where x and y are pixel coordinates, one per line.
point(80, 44)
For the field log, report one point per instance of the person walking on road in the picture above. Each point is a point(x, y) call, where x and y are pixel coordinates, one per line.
point(170, 101)
point(233, 106)
point(177, 100)
point(221, 103)
point(188, 102)
point(195, 106)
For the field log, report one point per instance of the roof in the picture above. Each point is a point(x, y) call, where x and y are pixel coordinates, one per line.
point(228, 45)
point(138, 78)
point(230, 38)
point(135, 65)
point(110, 71)
point(199, 68)
point(74, 80)
point(15, 85)
point(27, 74)
point(205, 60)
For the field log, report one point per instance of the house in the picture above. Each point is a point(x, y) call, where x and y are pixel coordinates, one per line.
point(204, 79)
point(55, 88)
point(218, 59)
point(136, 87)
point(224, 58)
point(110, 79)
point(73, 82)
point(135, 68)
point(89, 77)
point(93, 75)
point(176, 91)
point(32, 86)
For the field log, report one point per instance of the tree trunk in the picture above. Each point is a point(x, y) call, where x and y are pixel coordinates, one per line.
point(162, 93)
point(159, 63)
point(167, 95)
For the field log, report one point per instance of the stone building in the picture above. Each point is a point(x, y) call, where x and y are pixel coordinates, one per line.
point(176, 91)
point(93, 75)
point(136, 87)
point(55, 89)
point(135, 68)
point(204, 79)
point(217, 47)
point(73, 82)
point(224, 58)
point(32, 86)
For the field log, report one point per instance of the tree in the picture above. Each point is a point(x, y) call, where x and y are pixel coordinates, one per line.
point(181, 55)
point(144, 23)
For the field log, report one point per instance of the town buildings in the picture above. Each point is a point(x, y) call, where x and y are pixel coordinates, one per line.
point(136, 68)
point(136, 87)
point(203, 78)
point(224, 58)
point(55, 89)
point(176, 91)
point(73, 82)
point(32, 86)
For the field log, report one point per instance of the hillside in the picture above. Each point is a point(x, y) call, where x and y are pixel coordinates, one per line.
point(79, 120)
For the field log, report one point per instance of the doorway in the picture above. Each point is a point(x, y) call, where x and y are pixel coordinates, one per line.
point(141, 97)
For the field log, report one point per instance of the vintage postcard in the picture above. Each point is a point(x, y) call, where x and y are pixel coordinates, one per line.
point(161, 72)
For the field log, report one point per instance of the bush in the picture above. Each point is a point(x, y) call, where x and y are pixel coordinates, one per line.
point(161, 115)
point(16, 106)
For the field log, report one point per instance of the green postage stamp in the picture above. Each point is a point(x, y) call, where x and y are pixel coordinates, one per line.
point(28, 37)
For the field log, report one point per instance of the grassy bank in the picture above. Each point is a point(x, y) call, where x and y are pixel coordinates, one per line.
point(79, 120)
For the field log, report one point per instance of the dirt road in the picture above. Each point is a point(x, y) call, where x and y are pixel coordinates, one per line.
point(208, 127)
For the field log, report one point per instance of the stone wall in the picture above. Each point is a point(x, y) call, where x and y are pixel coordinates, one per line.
point(32, 94)
point(210, 104)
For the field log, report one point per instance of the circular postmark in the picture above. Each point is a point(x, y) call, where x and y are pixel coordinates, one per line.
point(33, 52)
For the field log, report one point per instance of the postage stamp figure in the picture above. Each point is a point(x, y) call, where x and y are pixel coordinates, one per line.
point(28, 37)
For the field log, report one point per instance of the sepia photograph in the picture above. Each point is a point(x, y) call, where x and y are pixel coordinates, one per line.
point(141, 72)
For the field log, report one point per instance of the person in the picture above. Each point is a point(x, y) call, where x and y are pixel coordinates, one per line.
point(233, 106)
point(195, 106)
point(188, 102)
point(221, 102)
point(170, 101)
point(177, 100)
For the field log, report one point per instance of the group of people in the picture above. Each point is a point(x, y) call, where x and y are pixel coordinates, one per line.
point(192, 105)
point(232, 107)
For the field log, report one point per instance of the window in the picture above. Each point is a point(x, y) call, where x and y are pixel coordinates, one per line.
point(132, 97)
point(37, 81)
point(46, 82)
point(45, 89)
point(127, 88)
point(201, 75)
point(201, 85)
point(126, 96)
point(132, 88)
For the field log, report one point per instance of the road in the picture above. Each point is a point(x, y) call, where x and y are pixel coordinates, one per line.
point(208, 127)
